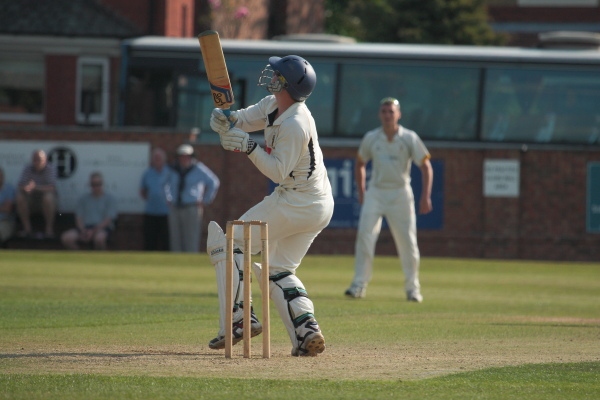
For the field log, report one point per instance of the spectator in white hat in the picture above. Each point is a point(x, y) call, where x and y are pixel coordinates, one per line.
point(191, 186)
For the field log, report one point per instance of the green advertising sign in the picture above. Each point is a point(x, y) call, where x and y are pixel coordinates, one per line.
point(593, 198)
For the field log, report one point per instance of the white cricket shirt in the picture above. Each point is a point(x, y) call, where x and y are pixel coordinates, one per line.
point(391, 160)
point(292, 156)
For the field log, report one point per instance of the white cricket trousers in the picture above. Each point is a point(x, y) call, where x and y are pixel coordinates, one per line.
point(398, 207)
point(294, 220)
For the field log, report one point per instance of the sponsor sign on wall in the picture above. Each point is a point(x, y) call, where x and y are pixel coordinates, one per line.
point(501, 178)
point(347, 208)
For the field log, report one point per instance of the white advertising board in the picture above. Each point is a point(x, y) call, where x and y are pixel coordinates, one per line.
point(501, 178)
point(121, 164)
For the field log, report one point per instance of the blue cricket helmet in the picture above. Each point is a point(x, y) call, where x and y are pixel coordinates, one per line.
point(299, 74)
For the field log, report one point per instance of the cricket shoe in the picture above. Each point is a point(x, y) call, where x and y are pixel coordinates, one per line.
point(356, 292)
point(311, 341)
point(414, 296)
point(218, 343)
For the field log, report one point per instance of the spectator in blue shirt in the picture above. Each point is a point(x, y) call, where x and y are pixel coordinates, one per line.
point(95, 217)
point(156, 211)
point(192, 185)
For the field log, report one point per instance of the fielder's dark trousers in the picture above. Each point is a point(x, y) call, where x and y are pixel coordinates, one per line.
point(156, 232)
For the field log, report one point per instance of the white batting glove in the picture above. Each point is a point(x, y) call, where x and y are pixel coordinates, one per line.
point(237, 140)
point(219, 121)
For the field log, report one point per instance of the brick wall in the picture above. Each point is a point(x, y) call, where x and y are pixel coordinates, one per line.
point(179, 18)
point(544, 14)
point(158, 17)
point(290, 16)
point(547, 221)
point(60, 90)
point(164, 17)
point(540, 15)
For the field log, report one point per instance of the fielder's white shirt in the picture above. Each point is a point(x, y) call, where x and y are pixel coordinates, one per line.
point(292, 156)
point(391, 160)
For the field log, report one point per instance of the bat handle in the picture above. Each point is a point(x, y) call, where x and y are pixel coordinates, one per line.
point(227, 113)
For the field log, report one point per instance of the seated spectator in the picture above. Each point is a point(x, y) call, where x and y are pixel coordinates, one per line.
point(7, 201)
point(37, 193)
point(95, 217)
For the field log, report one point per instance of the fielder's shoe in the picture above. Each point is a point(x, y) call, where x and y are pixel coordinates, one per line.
point(414, 295)
point(311, 340)
point(218, 343)
point(356, 292)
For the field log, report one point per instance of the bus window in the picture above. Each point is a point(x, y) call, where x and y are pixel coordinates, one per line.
point(247, 71)
point(195, 103)
point(535, 105)
point(510, 112)
point(460, 93)
point(194, 100)
point(501, 106)
point(575, 117)
point(320, 102)
point(436, 102)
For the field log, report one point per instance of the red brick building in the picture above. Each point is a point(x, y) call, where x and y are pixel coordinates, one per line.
point(524, 20)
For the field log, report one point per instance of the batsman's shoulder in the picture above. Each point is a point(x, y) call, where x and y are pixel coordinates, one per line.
point(268, 103)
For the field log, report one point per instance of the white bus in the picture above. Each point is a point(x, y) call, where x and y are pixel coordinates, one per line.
point(462, 94)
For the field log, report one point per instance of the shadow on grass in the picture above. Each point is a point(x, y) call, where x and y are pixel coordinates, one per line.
point(102, 355)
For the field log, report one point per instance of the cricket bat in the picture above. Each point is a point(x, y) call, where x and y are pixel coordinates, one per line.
point(216, 70)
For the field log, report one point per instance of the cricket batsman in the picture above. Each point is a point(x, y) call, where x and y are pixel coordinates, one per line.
point(299, 208)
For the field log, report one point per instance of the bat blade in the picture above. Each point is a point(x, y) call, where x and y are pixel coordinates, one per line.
point(216, 69)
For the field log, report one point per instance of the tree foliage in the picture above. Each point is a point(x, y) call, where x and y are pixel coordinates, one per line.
point(412, 21)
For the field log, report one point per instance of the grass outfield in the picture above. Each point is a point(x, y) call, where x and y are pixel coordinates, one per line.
point(119, 325)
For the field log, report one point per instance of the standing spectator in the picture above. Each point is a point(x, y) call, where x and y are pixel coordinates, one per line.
point(95, 217)
point(156, 212)
point(192, 186)
point(7, 201)
point(37, 193)
point(391, 148)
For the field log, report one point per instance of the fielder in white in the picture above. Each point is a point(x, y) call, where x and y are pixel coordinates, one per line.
point(296, 212)
point(391, 148)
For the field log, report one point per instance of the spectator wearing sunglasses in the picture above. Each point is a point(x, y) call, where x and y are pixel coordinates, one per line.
point(95, 217)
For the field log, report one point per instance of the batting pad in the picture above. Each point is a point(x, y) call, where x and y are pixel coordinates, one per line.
point(291, 301)
point(238, 290)
point(216, 243)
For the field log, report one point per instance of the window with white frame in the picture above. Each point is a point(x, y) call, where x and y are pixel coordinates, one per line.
point(21, 89)
point(92, 91)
